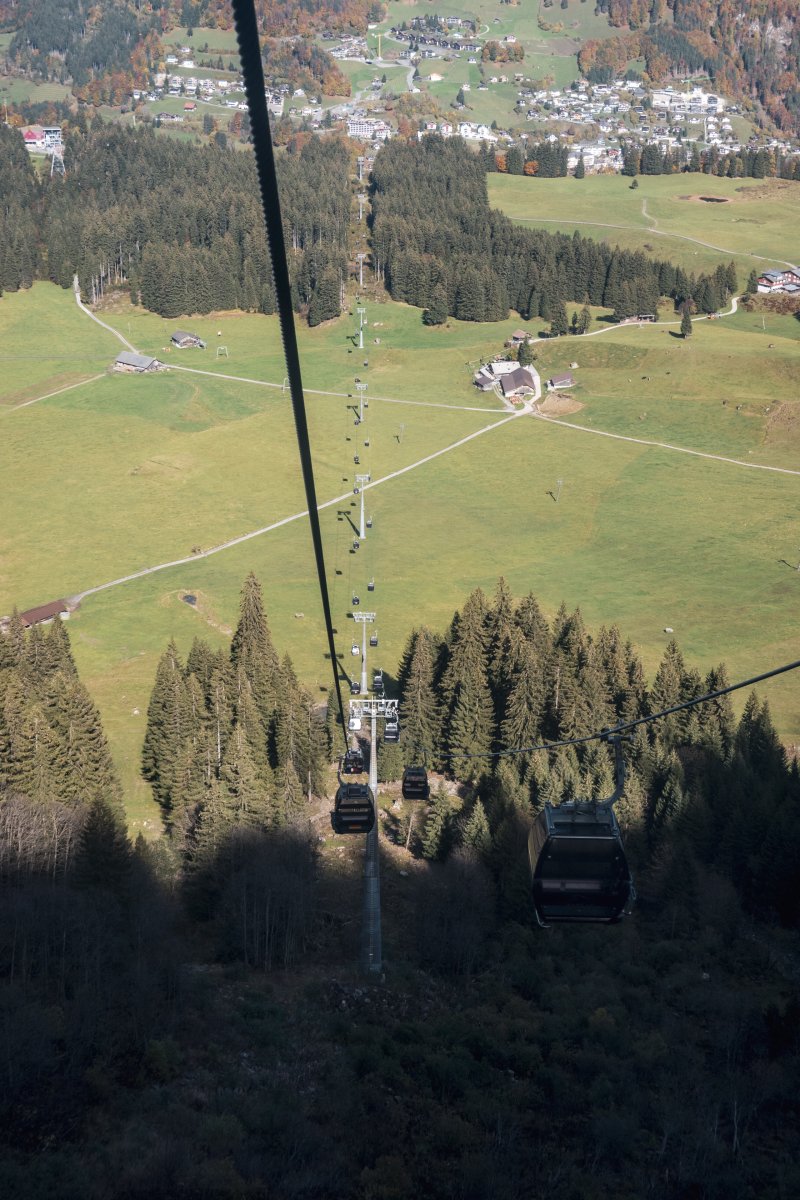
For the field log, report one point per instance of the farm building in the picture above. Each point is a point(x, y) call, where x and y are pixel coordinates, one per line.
point(492, 372)
point(518, 383)
point(131, 363)
point(560, 381)
point(183, 340)
point(45, 613)
point(518, 337)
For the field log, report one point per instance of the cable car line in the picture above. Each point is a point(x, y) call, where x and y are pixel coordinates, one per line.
point(604, 735)
point(250, 55)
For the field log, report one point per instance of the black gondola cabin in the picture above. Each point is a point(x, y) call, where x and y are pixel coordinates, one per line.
point(415, 784)
point(354, 809)
point(578, 867)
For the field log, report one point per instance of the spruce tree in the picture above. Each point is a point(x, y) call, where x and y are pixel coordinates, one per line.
point(525, 708)
point(584, 320)
point(470, 715)
point(420, 718)
point(104, 856)
point(580, 170)
point(168, 726)
point(475, 831)
point(253, 652)
point(437, 834)
point(686, 322)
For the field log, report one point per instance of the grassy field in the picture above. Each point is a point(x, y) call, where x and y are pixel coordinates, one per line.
point(218, 41)
point(127, 471)
point(752, 225)
point(23, 91)
point(46, 344)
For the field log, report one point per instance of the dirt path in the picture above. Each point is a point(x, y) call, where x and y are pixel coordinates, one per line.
point(49, 395)
point(77, 293)
point(621, 437)
point(337, 395)
point(654, 230)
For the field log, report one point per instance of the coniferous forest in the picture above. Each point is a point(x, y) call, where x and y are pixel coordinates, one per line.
point(438, 244)
point(185, 1016)
point(181, 225)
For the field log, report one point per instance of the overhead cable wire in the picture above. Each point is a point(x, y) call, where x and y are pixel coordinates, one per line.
point(624, 727)
point(250, 57)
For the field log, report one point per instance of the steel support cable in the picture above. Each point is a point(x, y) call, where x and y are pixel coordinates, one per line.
point(624, 727)
point(250, 57)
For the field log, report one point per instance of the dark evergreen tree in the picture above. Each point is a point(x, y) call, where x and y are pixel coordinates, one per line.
point(686, 322)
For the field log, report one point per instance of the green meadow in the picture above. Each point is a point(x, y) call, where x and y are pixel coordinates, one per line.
point(47, 343)
point(753, 223)
point(131, 471)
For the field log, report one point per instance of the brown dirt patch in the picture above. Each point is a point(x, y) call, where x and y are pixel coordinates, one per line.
point(765, 191)
point(201, 606)
point(784, 418)
point(559, 404)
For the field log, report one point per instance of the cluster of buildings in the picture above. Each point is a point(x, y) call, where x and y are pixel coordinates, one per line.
point(368, 129)
point(42, 139)
point(780, 280)
point(507, 377)
point(432, 42)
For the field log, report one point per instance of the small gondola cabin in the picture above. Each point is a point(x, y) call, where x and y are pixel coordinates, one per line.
point(578, 867)
point(415, 784)
point(354, 809)
point(353, 762)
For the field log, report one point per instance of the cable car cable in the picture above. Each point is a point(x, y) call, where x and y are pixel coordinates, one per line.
point(244, 16)
point(605, 734)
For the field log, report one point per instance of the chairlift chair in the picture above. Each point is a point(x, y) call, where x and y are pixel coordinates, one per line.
point(356, 543)
point(355, 687)
point(354, 724)
point(373, 639)
point(369, 522)
point(366, 443)
point(579, 871)
point(356, 600)
point(391, 730)
point(371, 585)
point(355, 649)
point(353, 809)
